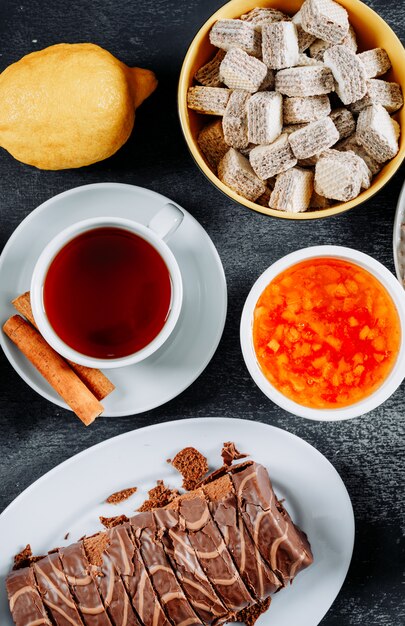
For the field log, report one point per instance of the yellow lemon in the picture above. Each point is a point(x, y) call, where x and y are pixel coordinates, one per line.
point(69, 105)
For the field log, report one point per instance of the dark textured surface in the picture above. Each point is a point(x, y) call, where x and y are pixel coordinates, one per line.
point(35, 435)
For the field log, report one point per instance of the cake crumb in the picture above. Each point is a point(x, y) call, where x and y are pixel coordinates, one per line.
point(111, 522)
point(192, 465)
point(94, 547)
point(159, 497)
point(120, 496)
point(251, 614)
point(66, 537)
point(230, 453)
point(25, 558)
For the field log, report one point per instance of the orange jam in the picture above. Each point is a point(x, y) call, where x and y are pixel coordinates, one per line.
point(326, 333)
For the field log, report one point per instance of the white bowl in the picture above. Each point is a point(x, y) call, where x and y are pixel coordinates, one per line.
point(364, 261)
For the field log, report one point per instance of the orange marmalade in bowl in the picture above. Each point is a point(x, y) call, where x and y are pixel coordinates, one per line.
point(326, 333)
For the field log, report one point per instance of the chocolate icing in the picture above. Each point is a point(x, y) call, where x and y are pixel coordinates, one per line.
point(165, 583)
point(25, 602)
point(199, 591)
point(55, 592)
point(206, 557)
point(134, 575)
point(259, 579)
point(283, 546)
point(213, 554)
point(82, 586)
point(112, 591)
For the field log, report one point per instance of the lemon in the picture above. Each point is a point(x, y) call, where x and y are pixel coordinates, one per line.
point(69, 105)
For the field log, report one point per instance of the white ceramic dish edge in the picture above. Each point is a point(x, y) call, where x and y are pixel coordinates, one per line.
point(399, 237)
point(360, 408)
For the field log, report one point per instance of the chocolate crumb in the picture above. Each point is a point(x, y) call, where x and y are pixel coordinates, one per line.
point(111, 522)
point(120, 496)
point(251, 614)
point(192, 465)
point(25, 558)
point(230, 453)
point(159, 497)
point(66, 537)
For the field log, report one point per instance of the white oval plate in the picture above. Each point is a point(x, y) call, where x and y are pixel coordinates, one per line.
point(176, 365)
point(399, 238)
point(72, 496)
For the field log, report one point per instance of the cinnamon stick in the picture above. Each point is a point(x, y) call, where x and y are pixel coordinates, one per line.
point(54, 369)
point(94, 379)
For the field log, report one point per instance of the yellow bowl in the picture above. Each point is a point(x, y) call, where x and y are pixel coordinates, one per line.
point(371, 32)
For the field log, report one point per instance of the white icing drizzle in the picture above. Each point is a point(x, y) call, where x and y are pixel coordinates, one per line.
point(296, 564)
point(37, 622)
point(197, 525)
point(242, 546)
point(127, 568)
point(200, 588)
point(125, 615)
point(111, 585)
point(188, 621)
point(158, 568)
point(20, 592)
point(140, 593)
point(274, 548)
point(64, 599)
point(156, 615)
point(172, 595)
point(61, 611)
point(226, 582)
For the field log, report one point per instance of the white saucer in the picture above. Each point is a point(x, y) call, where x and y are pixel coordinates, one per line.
point(184, 356)
point(315, 496)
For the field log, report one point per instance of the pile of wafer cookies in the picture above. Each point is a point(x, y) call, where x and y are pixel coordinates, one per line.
point(302, 120)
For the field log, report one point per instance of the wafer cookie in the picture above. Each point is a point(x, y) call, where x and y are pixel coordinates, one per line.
point(269, 80)
point(315, 80)
point(208, 74)
point(378, 133)
point(314, 138)
point(280, 45)
point(319, 46)
point(389, 95)
point(235, 171)
point(344, 122)
point(239, 70)
point(352, 144)
point(227, 34)
point(339, 175)
point(208, 100)
point(264, 199)
point(265, 117)
point(348, 72)
point(261, 15)
point(304, 39)
point(293, 190)
point(268, 161)
point(234, 121)
point(298, 110)
point(319, 202)
point(325, 19)
point(212, 143)
point(304, 59)
point(376, 62)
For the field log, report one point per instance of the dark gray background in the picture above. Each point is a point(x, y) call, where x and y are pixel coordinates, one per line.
point(35, 435)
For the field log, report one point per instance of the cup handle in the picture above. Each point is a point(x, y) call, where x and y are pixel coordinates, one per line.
point(166, 221)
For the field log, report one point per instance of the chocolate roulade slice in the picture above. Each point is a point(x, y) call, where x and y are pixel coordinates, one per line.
point(165, 583)
point(198, 589)
point(55, 592)
point(129, 564)
point(25, 602)
point(82, 586)
point(108, 581)
point(282, 545)
point(212, 552)
point(257, 576)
